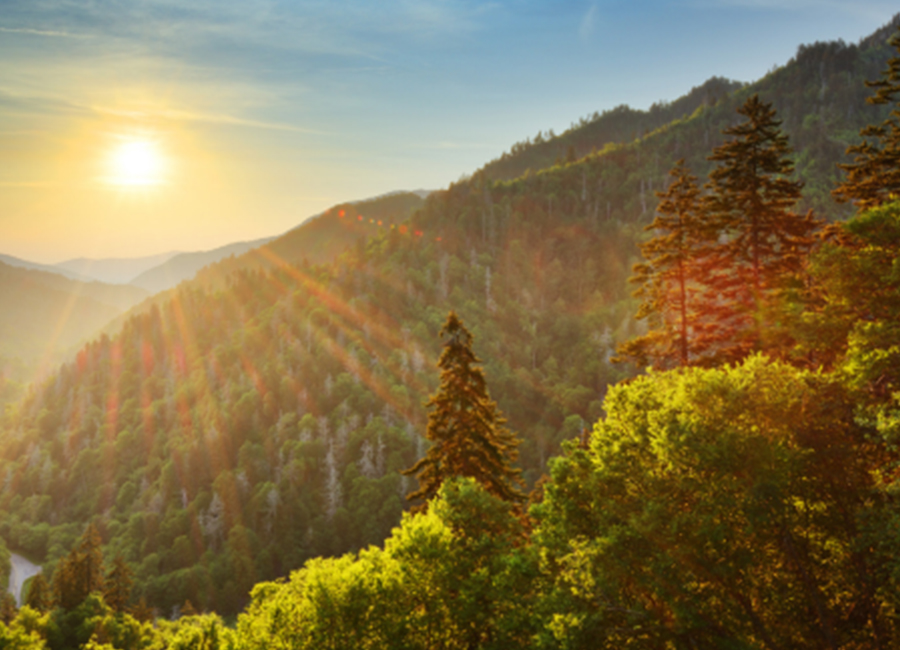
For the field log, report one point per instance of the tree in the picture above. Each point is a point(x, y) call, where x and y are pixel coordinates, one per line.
point(669, 276)
point(465, 427)
point(39, 595)
point(80, 572)
point(726, 507)
point(118, 585)
point(8, 607)
point(873, 178)
point(764, 243)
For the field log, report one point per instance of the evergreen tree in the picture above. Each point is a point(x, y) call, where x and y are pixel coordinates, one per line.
point(8, 609)
point(669, 277)
point(763, 242)
point(118, 585)
point(80, 572)
point(874, 177)
point(39, 596)
point(465, 427)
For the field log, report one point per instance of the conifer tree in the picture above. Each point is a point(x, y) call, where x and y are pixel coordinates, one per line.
point(873, 178)
point(80, 572)
point(8, 609)
point(669, 277)
point(39, 596)
point(465, 427)
point(118, 585)
point(764, 243)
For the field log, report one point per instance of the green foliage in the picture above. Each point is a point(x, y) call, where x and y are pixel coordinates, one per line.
point(873, 178)
point(765, 243)
point(40, 596)
point(465, 428)
point(444, 579)
point(718, 508)
point(5, 565)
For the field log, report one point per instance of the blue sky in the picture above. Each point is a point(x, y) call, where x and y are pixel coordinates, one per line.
point(265, 113)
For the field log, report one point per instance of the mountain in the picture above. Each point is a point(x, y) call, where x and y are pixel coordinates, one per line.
point(33, 266)
point(184, 266)
point(114, 270)
point(259, 415)
point(45, 314)
point(322, 238)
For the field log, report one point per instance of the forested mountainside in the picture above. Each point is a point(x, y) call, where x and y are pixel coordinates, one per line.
point(45, 316)
point(819, 94)
point(248, 421)
point(323, 237)
point(232, 453)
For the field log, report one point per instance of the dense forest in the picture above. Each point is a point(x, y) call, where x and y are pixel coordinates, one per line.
point(740, 495)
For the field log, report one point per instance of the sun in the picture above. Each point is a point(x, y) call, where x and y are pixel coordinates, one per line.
point(136, 162)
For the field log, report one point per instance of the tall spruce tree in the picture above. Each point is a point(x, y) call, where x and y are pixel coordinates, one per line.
point(669, 278)
point(465, 427)
point(763, 242)
point(873, 178)
point(80, 572)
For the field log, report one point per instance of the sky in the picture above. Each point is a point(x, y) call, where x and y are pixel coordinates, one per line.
point(130, 128)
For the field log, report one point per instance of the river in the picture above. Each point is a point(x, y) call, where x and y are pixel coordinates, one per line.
point(21, 570)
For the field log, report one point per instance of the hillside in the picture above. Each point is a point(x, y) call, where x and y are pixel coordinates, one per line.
point(184, 266)
point(46, 315)
point(113, 270)
point(258, 416)
point(819, 95)
point(322, 238)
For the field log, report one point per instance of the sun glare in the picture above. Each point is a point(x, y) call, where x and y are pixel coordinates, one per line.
point(136, 163)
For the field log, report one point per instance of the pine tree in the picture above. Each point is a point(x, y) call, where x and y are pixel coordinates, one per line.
point(465, 427)
point(80, 572)
point(763, 242)
point(118, 585)
point(874, 177)
point(8, 609)
point(39, 596)
point(669, 277)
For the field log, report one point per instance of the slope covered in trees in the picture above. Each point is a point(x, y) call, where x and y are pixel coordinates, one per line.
point(214, 457)
point(46, 316)
point(820, 95)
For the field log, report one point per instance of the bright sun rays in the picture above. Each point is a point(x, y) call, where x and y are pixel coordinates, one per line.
point(136, 162)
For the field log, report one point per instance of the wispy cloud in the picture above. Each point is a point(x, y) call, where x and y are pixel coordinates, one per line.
point(586, 27)
point(42, 32)
point(209, 118)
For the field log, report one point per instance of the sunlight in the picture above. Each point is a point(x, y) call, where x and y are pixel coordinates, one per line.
point(136, 162)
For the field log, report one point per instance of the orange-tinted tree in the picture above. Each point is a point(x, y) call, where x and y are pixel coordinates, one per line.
point(763, 242)
point(465, 427)
point(669, 278)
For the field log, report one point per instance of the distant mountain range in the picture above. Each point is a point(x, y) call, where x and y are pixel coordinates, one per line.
point(115, 270)
point(45, 315)
point(183, 266)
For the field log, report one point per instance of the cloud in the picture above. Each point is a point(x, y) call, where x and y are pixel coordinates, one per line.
point(42, 32)
point(586, 28)
point(209, 118)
